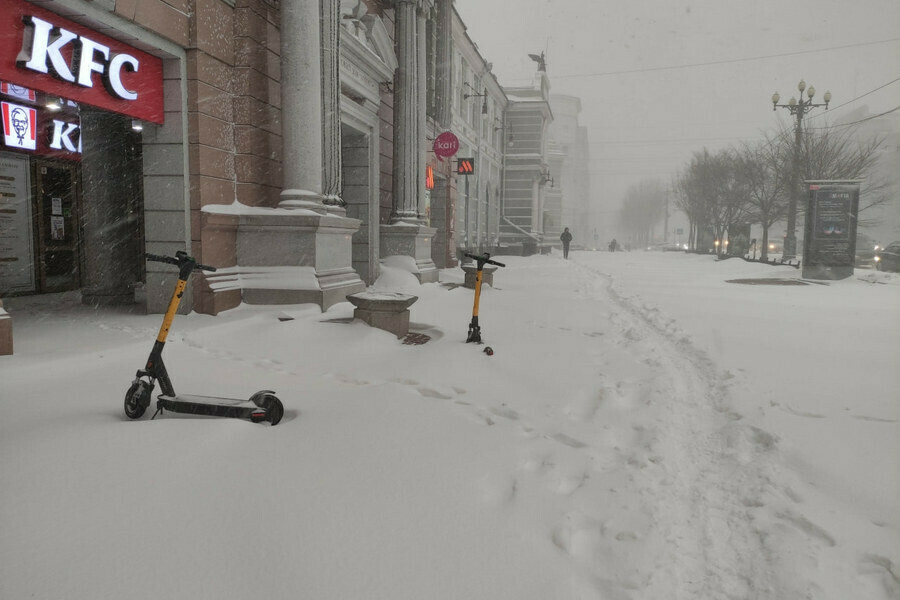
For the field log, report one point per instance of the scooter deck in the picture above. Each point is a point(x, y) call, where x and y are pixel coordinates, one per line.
point(210, 405)
point(206, 399)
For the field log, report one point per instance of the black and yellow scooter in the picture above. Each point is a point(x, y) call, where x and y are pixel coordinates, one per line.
point(262, 406)
point(474, 328)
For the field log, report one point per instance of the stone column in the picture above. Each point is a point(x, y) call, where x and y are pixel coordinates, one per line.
point(301, 105)
point(331, 105)
point(300, 252)
point(422, 103)
point(406, 121)
point(443, 89)
point(407, 234)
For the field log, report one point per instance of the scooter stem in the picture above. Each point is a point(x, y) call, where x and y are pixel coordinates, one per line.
point(170, 312)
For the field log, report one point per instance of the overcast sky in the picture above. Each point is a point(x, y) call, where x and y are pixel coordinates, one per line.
point(659, 79)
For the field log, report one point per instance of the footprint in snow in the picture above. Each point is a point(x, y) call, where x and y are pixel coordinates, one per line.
point(566, 440)
point(807, 527)
point(885, 570)
point(430, 393)
point(506, 413)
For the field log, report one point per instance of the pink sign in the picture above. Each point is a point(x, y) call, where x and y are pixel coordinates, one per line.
point(446, 145)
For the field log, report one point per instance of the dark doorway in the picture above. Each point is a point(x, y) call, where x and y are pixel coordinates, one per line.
point(58, 225)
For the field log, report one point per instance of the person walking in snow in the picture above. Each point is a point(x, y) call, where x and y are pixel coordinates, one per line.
point(566, 239)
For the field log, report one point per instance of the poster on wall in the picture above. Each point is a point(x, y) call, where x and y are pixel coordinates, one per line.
point(16, 243)
point(57, 228)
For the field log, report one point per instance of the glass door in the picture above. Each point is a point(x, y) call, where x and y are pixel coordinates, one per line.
point(59, 235)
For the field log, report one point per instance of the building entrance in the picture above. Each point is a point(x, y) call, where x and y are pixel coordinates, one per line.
point(57, 209)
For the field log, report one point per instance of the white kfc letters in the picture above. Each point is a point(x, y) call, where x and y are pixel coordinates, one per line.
point(42, 51)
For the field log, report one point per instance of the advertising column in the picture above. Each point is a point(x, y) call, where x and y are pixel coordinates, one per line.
point(829, 245)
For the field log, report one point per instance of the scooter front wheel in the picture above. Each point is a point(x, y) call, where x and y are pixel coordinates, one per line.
point(273, 406)
point(137, 399)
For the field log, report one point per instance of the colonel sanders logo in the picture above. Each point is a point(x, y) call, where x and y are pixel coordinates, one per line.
point(19, 126)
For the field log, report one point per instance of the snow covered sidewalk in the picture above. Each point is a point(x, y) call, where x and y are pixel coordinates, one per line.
point(624, 441)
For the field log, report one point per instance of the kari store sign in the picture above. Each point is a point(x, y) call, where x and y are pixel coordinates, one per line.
point(446, 145)
point(43, 51)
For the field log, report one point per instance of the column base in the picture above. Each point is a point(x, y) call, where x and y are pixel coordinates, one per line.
point(283, 256)
point(413, 240)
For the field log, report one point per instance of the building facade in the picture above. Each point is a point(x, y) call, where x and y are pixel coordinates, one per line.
point(292, 163)
point(526, 175)
point(572, 175)
point(296, 164)
point(478, 107)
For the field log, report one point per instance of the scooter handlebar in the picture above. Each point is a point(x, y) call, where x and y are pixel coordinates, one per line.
point(181, 259)
point(484, 259)
point(160, 258)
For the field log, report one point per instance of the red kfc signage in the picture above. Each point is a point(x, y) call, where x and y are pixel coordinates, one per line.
point(19, 126)
point(43, 51)
point(29, 128)
point(446, 145)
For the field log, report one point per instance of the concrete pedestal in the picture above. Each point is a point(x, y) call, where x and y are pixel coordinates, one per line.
point(384, 310)
point(487, 275)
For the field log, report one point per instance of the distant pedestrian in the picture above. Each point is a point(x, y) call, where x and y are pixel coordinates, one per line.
point(613, 245)
point(566, 239)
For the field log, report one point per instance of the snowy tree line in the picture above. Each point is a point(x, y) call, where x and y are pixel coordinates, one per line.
point(724, 192)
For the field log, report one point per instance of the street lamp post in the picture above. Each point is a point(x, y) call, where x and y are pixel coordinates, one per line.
point(797, 109)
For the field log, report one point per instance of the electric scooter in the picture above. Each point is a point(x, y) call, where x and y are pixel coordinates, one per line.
point(261, 406)
point(474, 328)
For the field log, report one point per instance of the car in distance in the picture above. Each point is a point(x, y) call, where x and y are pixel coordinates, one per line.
point(888, 258)
point(667, 247)
point(865, 259)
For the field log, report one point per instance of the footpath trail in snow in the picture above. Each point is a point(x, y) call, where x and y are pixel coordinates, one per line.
point(656, 436)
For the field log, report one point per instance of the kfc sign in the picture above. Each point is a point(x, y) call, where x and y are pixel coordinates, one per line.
point(44, 51)
point(19, 126)
point(44, 46)
point(25, 128)
point(65, 137)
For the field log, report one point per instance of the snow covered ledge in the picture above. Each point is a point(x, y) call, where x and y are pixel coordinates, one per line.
point(6, 333)
point(279, 256)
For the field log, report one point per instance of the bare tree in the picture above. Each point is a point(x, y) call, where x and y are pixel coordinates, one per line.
point(711, 194)
point(837, 153)
point(765, 184)
point(642, 210)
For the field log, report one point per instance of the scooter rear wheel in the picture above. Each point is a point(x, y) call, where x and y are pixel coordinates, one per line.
point(137, 399)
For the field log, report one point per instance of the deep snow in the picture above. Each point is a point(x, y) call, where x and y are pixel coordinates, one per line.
point(645, 430)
